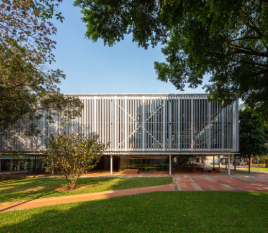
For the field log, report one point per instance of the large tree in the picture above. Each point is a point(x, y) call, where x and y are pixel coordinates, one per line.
point(28, 88)
point(227, 40)
point(253, 135)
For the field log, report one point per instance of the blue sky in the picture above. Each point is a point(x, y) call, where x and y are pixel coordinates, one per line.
point(94, 68)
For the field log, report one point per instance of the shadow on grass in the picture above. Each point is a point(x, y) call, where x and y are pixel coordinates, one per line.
point(23, 188)
point(151, 212)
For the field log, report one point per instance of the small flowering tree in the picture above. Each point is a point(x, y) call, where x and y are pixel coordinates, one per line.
point(73, 155)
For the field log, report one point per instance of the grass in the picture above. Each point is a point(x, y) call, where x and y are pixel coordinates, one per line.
point(264, 169)
point(33, 188)
point(241, 171)
point(151, 212)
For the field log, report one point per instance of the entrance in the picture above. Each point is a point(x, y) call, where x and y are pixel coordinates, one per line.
point(104, 164)
point(145, 163)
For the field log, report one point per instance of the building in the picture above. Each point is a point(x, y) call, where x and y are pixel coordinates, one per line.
point(145, 131)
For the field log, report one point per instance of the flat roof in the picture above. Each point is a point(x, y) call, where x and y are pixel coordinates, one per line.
point(171, 94)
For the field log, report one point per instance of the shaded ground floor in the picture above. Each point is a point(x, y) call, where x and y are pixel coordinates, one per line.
point(162, 164)
point(151, 164)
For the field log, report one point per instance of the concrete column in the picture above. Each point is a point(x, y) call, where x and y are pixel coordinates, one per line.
point(111, 164)
point(219, 159)
point(213, 160)
point(169, 164)
point(229, 165)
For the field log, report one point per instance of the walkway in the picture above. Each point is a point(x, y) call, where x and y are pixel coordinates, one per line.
point(181, 182)
point(117, 174)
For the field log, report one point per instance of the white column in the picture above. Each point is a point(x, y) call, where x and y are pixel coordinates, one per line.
point(229, 165)
point(115, 124)
point(169, 164)
point(111, 164)
point(126, 125)
point(143, 119)
point(192, 123)
point(179, 122)
point(209, 123)
point(95, 115)
point(169, 124)
point(164, 124)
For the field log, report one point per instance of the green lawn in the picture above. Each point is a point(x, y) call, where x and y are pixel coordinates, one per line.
point(30, 188)
point(264, 169)
point(241, 171)
point(151, 212)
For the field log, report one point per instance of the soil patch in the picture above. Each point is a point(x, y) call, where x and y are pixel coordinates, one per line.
point(68, 188)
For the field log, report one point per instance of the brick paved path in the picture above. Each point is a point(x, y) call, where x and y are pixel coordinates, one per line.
point(181, 182)
point(222, 183)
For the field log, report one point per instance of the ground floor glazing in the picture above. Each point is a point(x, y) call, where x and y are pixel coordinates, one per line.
point(114, 163)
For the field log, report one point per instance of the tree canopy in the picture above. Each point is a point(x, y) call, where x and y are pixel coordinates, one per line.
point(227, 40)
point(28, 88)
point(253, 134)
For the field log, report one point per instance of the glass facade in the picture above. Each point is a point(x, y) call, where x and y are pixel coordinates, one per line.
point(145, 163)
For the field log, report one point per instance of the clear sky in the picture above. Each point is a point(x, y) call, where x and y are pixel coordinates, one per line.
point(92, 68)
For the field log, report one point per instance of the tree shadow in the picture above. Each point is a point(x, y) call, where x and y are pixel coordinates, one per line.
point(24, 188)
point(151, 212)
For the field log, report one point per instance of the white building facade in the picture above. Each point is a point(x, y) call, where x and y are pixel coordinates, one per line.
point(143, 125)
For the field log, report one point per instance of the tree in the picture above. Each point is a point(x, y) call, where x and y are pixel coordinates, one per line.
point(228, 40)
point(26, 21)
point(28, 89)
point(253, 135)
point(73, 155)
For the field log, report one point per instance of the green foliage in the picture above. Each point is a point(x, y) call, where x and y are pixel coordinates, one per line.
point(28, 90)
point(253, 134)
point(26, 22)
point(47, 9)
point(73, 155)
point(228, 40)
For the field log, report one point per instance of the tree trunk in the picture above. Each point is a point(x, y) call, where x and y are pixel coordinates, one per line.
point(74, 180)
point(234, 163)
point(249, 163)
point(68, 180)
